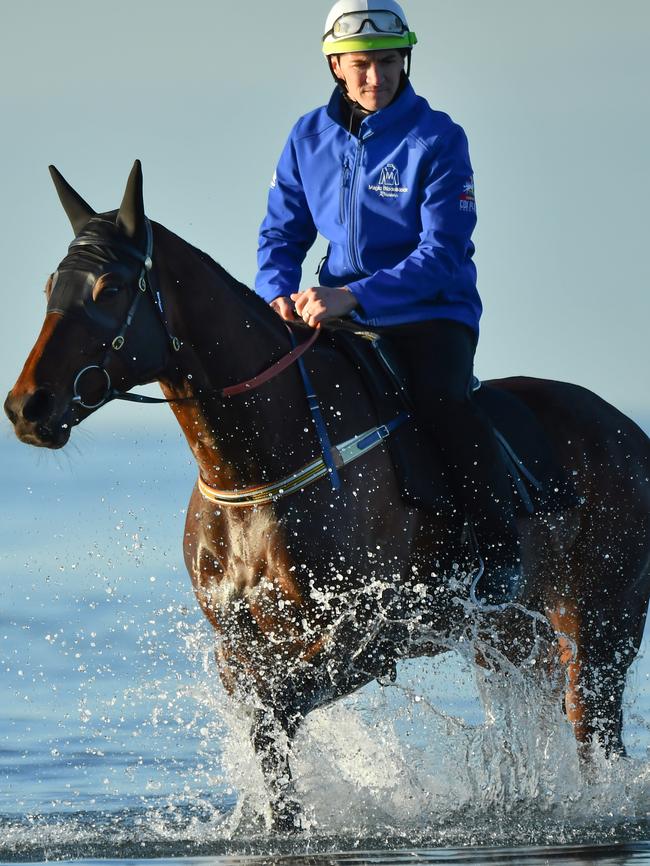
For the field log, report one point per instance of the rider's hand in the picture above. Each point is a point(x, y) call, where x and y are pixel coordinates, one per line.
point(284, 308)
point(321, 303)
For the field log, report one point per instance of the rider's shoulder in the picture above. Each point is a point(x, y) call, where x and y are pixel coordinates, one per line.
point(433, 120)
point(433, 126)
point(313, 123)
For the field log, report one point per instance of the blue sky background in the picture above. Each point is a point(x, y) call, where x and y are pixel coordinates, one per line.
point(553, 97)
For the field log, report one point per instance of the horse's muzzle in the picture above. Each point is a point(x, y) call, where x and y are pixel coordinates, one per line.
point(36, 419)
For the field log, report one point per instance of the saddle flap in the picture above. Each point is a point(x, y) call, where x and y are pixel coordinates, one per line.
point(418, 467)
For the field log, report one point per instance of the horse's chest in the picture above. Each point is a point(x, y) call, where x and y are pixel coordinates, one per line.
point(244, 576)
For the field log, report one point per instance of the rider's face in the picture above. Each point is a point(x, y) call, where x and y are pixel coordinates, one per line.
point(372, 77)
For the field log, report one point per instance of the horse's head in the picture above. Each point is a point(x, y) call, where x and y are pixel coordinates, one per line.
point(103, 330)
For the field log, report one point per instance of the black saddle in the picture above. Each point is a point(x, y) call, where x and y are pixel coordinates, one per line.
point(539, 481)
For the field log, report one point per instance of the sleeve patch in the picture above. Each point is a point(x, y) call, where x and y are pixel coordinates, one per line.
point(467, 198)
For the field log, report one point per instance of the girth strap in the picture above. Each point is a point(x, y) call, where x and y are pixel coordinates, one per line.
point(313, 471)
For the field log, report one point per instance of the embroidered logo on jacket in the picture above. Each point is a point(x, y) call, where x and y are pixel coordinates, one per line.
point(389, 185)
point(467, 200)
point(389, 176)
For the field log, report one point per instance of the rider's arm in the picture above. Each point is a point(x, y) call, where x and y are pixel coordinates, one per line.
point(440, 266)
point(287, 232)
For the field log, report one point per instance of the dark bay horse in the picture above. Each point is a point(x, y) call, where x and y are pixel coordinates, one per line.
point(317, 593)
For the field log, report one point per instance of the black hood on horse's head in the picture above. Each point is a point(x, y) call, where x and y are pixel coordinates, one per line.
point(100, 248)
point(114, 242)
point(130, 216)
point(101, 242)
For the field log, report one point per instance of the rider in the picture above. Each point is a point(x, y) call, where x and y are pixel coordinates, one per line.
point(388, 182)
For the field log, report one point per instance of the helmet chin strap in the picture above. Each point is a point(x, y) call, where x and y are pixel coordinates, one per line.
point(340, 82)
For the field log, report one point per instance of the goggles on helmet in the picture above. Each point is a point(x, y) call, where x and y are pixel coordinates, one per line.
point(381, 21)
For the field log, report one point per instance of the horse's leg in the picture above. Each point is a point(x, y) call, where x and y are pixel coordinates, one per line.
point(520, 645)
point(272, 734)
point(597, 648)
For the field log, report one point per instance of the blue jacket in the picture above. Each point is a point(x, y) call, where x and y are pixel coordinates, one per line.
point(396, 205)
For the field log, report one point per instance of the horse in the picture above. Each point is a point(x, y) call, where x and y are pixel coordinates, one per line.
point(314, 588)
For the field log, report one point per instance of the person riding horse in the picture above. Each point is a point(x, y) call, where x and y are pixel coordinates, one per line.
point(388, 182)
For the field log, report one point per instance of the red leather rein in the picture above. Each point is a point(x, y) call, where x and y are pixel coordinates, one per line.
point(272, 371)
point(229, 391)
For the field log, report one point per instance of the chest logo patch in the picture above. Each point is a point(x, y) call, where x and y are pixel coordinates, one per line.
point(389, 183)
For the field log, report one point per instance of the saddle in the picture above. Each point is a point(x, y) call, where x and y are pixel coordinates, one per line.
point(539, 482)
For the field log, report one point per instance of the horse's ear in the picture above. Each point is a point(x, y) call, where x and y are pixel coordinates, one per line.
point(130, 217)
point(78, 211)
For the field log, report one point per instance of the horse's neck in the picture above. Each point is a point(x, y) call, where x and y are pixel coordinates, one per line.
point(228, 336)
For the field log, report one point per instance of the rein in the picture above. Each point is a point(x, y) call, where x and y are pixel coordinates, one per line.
point(229, 391)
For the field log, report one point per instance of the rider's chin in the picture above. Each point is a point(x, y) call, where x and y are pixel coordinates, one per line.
point(374, 98)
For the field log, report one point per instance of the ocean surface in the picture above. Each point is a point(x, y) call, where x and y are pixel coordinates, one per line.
point(117, 741)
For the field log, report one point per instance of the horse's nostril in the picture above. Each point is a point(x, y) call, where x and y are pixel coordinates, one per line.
point(9, 411)
point(43, 432)
point(38, 405)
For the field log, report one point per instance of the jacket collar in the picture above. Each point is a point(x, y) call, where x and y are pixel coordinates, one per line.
point(381, 119)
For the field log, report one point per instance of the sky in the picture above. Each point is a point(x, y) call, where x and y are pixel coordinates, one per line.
point(552, 96)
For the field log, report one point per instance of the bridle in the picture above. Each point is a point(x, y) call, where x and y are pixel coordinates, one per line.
point(144, 287)
point(118, 342)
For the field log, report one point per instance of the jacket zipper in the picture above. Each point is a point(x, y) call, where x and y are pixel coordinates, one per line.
point(345, 177)
point(352, 225)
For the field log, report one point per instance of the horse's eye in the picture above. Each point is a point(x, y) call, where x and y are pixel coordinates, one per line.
point(105, 291)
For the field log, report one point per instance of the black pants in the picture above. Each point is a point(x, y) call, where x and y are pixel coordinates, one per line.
point(437, 357)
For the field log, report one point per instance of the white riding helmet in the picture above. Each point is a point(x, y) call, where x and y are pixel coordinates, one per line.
point(366, 25)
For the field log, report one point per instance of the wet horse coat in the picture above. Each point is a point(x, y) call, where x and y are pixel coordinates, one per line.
point(315, 594)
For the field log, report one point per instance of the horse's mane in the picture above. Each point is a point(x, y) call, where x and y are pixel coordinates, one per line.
point(258, 303)
point(260, 307)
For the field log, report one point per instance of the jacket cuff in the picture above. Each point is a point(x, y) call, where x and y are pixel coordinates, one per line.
point(270, 293)
point(357, 289)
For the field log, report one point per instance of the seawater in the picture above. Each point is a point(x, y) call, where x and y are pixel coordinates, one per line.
point(117, 740)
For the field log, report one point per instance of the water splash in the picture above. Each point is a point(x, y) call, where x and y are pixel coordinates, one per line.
point(448, 755)
point(392, 763)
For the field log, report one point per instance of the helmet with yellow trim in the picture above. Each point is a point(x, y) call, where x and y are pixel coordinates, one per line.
point(366, 25)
